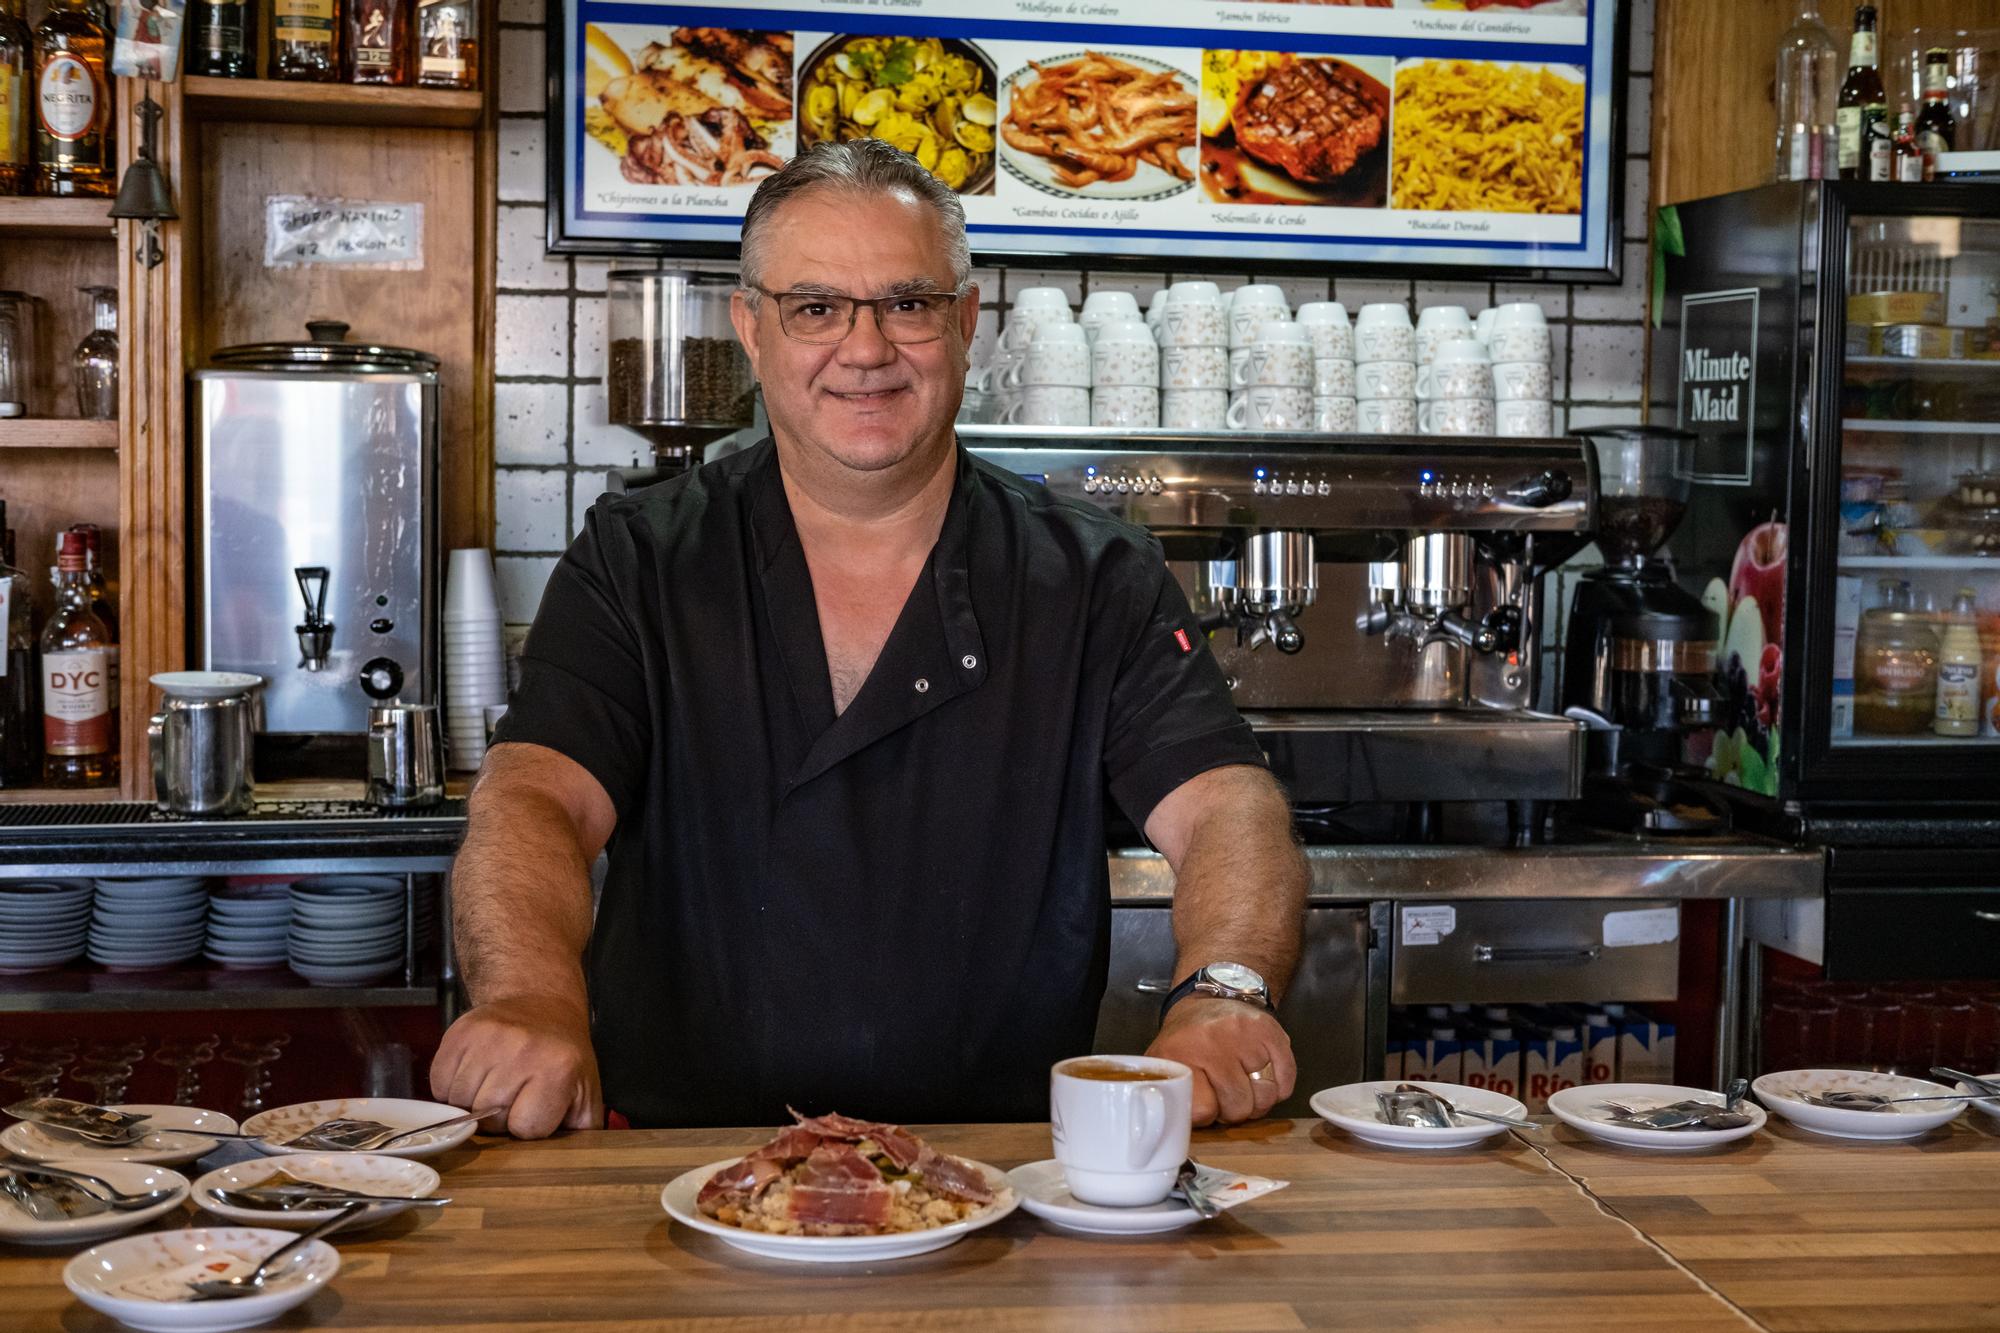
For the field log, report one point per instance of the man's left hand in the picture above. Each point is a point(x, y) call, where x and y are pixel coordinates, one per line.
point(1240, 1055)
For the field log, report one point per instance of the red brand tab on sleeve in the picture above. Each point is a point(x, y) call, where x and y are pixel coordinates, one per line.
point(1181, 638)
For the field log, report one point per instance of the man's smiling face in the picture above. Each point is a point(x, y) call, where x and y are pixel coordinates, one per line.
point(864, 402)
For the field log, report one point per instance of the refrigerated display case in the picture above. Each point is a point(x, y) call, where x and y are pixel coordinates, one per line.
point(1836, 346)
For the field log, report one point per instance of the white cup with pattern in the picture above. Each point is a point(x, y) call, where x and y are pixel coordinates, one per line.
point(1386, 416)
point(1524, 420)
point(1133, 406)
point(1194, 368)
point(1124, 353)
point(1385, 379)
point(1271, 407)
point(1193, 409)
point(1522, 381)
point(1326, 322)
point(1382, 332)
point(1336, 414)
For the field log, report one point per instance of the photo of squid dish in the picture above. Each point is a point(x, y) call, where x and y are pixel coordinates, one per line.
point(1100, 125)
point(932, 97)
point(707, 107)
point(1278, 128)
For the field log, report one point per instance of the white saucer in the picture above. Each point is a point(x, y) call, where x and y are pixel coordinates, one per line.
point(205, 684)
point(363, 1172)
point(176, 1139)
point(1990, 1105)
point(286, 1122)
point(1045, 1193)
point(95, 1276)
point(132, 1177)
point(1352, 1108)
point(1582, 1108)
point(1908, 1121)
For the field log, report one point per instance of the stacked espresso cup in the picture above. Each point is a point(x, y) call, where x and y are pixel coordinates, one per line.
point(1194, 357)
point(1523, 385)
point(1454, 376)
point(1325, 323)
point(1385, 370)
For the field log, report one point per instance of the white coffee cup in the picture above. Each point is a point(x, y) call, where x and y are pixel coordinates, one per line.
point(1522, 381)
point(1253, 304)
point(1050, 405)
point(1460, 371)
point(1524, 420)
point(1385, 379)
point(1520, 333)
point(1193, 409)
point(1332, 335)
point(1281, 354)
point(1382, 332)
point(1439, 324)
point(1386, 416)
point(1124, 353)
point(1456, 416)
point(1121, 1142)
point(1271, 407)
point(1034, 309)
point(1060, 354)
point(1129, 405)
point(1333, 377)
point(1099, 308)
point(1482, 327)
point(1194, 318)
point(1334, 414)
point(1194, 368)
point(1156, 309)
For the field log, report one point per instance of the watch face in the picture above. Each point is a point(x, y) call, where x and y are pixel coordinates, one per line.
point(1235, 976)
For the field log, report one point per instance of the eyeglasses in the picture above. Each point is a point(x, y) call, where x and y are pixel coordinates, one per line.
point(820, 317)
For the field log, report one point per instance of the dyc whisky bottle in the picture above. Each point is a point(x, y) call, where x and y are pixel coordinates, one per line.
point(79, 728)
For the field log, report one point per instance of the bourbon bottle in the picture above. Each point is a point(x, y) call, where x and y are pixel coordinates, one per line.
point(75, 152)
point(306, 40)
point(448, 43)
point(79, 729)
point(378, 41)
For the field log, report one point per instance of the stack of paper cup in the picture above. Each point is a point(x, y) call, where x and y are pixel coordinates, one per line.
point(1325, 322)
point(475, 662)
point(1455, 390)
point(1522, 383)
point(1385, 370)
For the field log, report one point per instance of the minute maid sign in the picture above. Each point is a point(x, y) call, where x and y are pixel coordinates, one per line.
point(1718, 375)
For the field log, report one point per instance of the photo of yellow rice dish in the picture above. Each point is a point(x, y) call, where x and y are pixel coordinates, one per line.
point(1475, 136)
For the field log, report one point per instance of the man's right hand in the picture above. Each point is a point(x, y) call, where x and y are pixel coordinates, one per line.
point(532, 1056)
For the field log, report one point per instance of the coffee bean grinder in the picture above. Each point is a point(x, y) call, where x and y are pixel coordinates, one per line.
point(674, 372)
point(1639, 653)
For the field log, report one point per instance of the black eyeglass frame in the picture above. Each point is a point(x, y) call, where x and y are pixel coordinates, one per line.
point(854, 304)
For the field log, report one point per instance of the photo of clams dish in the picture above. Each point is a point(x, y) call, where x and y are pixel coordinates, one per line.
point(1278, 128)
point(707, 107)
point(1100, 125)
point(932, 97)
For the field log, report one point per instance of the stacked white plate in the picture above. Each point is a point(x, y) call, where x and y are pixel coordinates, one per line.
point(475, 662)
point(142, 924)
point(346, 930)
point(43, 923)
point(247, 925)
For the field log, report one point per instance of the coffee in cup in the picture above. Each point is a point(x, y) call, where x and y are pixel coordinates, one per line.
point(1121, 1126)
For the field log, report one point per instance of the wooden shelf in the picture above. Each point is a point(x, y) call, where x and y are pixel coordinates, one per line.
point(58, 795)
point(57, 433)
point(331, 103)
point(85, 988)
point(28, 215)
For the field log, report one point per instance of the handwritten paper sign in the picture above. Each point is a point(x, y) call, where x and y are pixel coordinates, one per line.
point(353, 233)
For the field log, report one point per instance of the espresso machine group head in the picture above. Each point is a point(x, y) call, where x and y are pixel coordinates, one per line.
point(1372, 600)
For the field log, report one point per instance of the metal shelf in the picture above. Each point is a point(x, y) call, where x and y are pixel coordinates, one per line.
point(1915, 742)
point(1986, 365)
point(86, 988)
point(1871, 426)
point(1986, 562)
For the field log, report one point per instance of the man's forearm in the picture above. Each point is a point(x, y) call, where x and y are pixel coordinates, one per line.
point(521, 898)
point(1240, 887)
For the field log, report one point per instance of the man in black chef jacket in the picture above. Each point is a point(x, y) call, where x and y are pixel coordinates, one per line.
point(845, 708)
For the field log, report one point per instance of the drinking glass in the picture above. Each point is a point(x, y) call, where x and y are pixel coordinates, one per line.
point(256, 1055)
point(185, 1056)
point(107, 1080)
point(96, 358)
point(16, 340)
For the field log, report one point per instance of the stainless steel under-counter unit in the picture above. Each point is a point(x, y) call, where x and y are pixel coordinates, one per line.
point(316, 492)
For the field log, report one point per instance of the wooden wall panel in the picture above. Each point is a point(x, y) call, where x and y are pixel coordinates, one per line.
point(47, 490)
point(441, 308)
point(50, 271)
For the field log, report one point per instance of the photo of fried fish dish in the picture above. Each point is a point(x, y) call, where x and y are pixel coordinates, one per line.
point(709, 106)
point(831, 1175)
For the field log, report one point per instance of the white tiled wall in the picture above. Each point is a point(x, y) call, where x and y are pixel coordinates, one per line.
point(553, 443)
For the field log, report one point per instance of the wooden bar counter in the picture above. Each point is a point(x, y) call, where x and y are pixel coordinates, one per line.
point(1778, 1232)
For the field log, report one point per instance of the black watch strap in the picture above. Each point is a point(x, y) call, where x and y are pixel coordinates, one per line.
point(1186, 988)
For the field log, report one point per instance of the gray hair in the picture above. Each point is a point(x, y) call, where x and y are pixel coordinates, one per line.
point(862, 166)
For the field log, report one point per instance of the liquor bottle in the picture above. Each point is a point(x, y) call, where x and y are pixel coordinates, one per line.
point(305, 40)
point(79, 730)
point(98, 589)
point(1863, 104)
point(1959, 659)
point(378, 41)
point(1808, 86)
point(20, 672)
point(16, 64)
point(1937, 128)
point(75, 152)
point(225, 39)
point(448, 43)
point(1908, 158)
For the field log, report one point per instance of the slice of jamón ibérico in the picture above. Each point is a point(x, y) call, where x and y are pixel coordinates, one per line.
point(739, 1181)
point(901, 1147)
point(953, 1177)
point(838, 1187)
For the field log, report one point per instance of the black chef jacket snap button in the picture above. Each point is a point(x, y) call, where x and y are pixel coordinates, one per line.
point(968, 661)
point(922, 685)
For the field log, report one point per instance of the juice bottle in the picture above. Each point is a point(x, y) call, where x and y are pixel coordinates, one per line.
point(1959, 659)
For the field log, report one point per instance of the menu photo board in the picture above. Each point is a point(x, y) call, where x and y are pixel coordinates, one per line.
point(1461, 135)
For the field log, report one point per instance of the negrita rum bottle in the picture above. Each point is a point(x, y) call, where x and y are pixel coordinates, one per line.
point(79, 729)
point(74, 152)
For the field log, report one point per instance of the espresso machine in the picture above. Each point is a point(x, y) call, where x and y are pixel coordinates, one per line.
point(1639, 656)
point(1373, 600)
point(315, 553)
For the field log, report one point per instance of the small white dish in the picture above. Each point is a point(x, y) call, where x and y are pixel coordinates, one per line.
point(678, 1198)
point(1044, 1192)
point(344, 974)
point(1779, 1092)
point(176, 1138)
point(1582, 1108)
point(286, 1122)
point(131, 1177)
point(363, 1172)
point(1990, 1105)
point(97, 1277)
point(1352, 1107)
point(205, 684)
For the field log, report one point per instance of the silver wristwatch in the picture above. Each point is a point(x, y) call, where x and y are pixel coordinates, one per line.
point(1224, 981)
